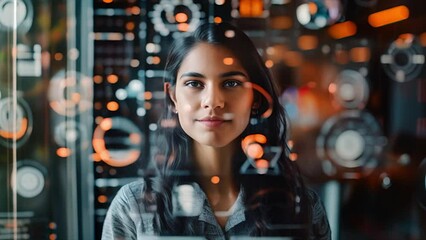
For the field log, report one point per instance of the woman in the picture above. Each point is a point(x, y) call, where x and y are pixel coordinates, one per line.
point(222, 169)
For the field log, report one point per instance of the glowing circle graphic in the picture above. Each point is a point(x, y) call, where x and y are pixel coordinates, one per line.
point(118, 141)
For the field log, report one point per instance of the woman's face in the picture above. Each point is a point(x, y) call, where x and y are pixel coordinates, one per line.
point(213, 95)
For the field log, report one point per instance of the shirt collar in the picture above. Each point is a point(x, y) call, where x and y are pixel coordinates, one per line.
point(236, 212)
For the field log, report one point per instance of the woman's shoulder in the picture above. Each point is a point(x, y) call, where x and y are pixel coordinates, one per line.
point(130, 213)
point(129, 193)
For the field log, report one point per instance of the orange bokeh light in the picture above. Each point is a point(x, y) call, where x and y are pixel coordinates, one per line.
point(58, 56)
point(215, 179)
point(97, 79)
point(342, 30)
point(148, 95)
point(293, 156)
point(63, 152)
point(181, 17)
point(262, 164)
point(269, 63)
point(102, 198)
point(332, 88)
point(313, 8)
point(183, 27)
point(130, 26)
point(255, 150)
point(389, 16)
point(228, 61)
point(113, 106)
point(112, 78)
point(135, 10)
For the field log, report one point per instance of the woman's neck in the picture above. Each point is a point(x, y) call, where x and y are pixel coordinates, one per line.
point(211, 161)
point(215, 174)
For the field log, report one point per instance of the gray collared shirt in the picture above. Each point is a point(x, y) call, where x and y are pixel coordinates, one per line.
point(130, 217)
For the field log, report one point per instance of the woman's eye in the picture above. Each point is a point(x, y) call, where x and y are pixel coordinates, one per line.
point(232, 83)
point(194, 84)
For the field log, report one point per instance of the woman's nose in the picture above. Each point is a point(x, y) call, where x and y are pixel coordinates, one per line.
point(213, 98)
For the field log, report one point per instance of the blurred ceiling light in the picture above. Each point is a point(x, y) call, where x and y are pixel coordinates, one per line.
point(388, 16)
point(281, 22)
point(342, 30)
point(251, 8)
point(360, 54)
point(307, 42)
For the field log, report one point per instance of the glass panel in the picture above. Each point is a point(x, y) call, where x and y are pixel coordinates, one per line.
point(45, 120)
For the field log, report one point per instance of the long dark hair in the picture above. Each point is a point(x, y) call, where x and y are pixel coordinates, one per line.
point(272, 200)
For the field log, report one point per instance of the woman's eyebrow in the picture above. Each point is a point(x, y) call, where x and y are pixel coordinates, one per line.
point(233, 73)
point(192, 74)
point(223, 75)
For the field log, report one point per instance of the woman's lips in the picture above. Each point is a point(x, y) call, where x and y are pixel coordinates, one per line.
point(212, 121)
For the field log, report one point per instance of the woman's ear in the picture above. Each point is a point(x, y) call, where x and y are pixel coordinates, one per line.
point(169, 91)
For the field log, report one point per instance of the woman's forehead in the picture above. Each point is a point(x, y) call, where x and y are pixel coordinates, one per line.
point(208, 57)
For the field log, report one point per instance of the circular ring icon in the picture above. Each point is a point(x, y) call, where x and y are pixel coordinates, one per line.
point(24, 15)
point(19, 118)
point(30, 179)
point(404, 60)
point(350, 144)
point(351, 89)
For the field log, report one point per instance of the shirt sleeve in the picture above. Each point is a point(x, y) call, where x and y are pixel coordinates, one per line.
point(320, 229)
point(125, 218)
